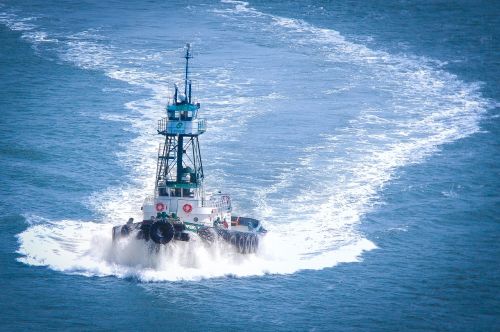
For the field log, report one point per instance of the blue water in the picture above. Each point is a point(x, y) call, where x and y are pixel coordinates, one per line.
point(364, 135)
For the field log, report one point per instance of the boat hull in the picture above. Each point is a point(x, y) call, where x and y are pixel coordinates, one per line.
point(244, 236)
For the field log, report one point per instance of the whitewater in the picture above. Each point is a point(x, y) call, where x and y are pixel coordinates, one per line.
point(411, 108)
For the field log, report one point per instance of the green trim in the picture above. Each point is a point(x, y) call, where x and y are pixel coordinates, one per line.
point(192, 227)
point(182, 185)
point(182, 107)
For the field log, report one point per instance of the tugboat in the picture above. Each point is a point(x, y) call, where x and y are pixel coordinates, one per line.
point(180, 210)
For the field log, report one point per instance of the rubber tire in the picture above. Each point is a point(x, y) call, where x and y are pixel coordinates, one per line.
point(125, 230)
point(254, 243)
point(248, 244)
point(161, 232)
point(207, 234)
point(233, 240)
point(241, 244)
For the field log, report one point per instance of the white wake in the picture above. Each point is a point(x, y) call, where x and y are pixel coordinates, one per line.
point(427, 107)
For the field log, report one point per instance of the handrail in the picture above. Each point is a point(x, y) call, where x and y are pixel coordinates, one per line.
point(149, 199)
point(163, 124)
point(220, 201)
point(202, 125)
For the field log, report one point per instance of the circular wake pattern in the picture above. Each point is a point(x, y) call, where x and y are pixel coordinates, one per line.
point(311, 197)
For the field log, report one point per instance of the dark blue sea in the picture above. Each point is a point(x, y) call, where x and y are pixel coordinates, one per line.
point(364, 134)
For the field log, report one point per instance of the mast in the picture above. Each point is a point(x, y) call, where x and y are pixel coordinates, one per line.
point(187, 57)
point(179, 169)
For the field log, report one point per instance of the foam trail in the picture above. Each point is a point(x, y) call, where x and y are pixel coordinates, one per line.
point(85, 248)
point(431, 108)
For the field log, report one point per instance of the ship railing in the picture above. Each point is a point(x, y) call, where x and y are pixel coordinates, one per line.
point(220, 201)
point(162, 125)
point(202, 126)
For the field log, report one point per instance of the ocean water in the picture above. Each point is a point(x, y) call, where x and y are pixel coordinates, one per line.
point(364, 135)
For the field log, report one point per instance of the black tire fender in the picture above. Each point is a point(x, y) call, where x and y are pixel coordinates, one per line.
point(125, 230)
point(241, 244)
point(233, 240)
point(207, 234)
point(255, 243)
point(161, 232)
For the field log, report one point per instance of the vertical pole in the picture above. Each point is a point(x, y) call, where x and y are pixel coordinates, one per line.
point(180, 149)
point(195, 162)
point(188, 46)
point(199, 176)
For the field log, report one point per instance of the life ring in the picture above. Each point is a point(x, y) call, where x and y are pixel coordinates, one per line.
point(187, 208)
point(160, 206)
